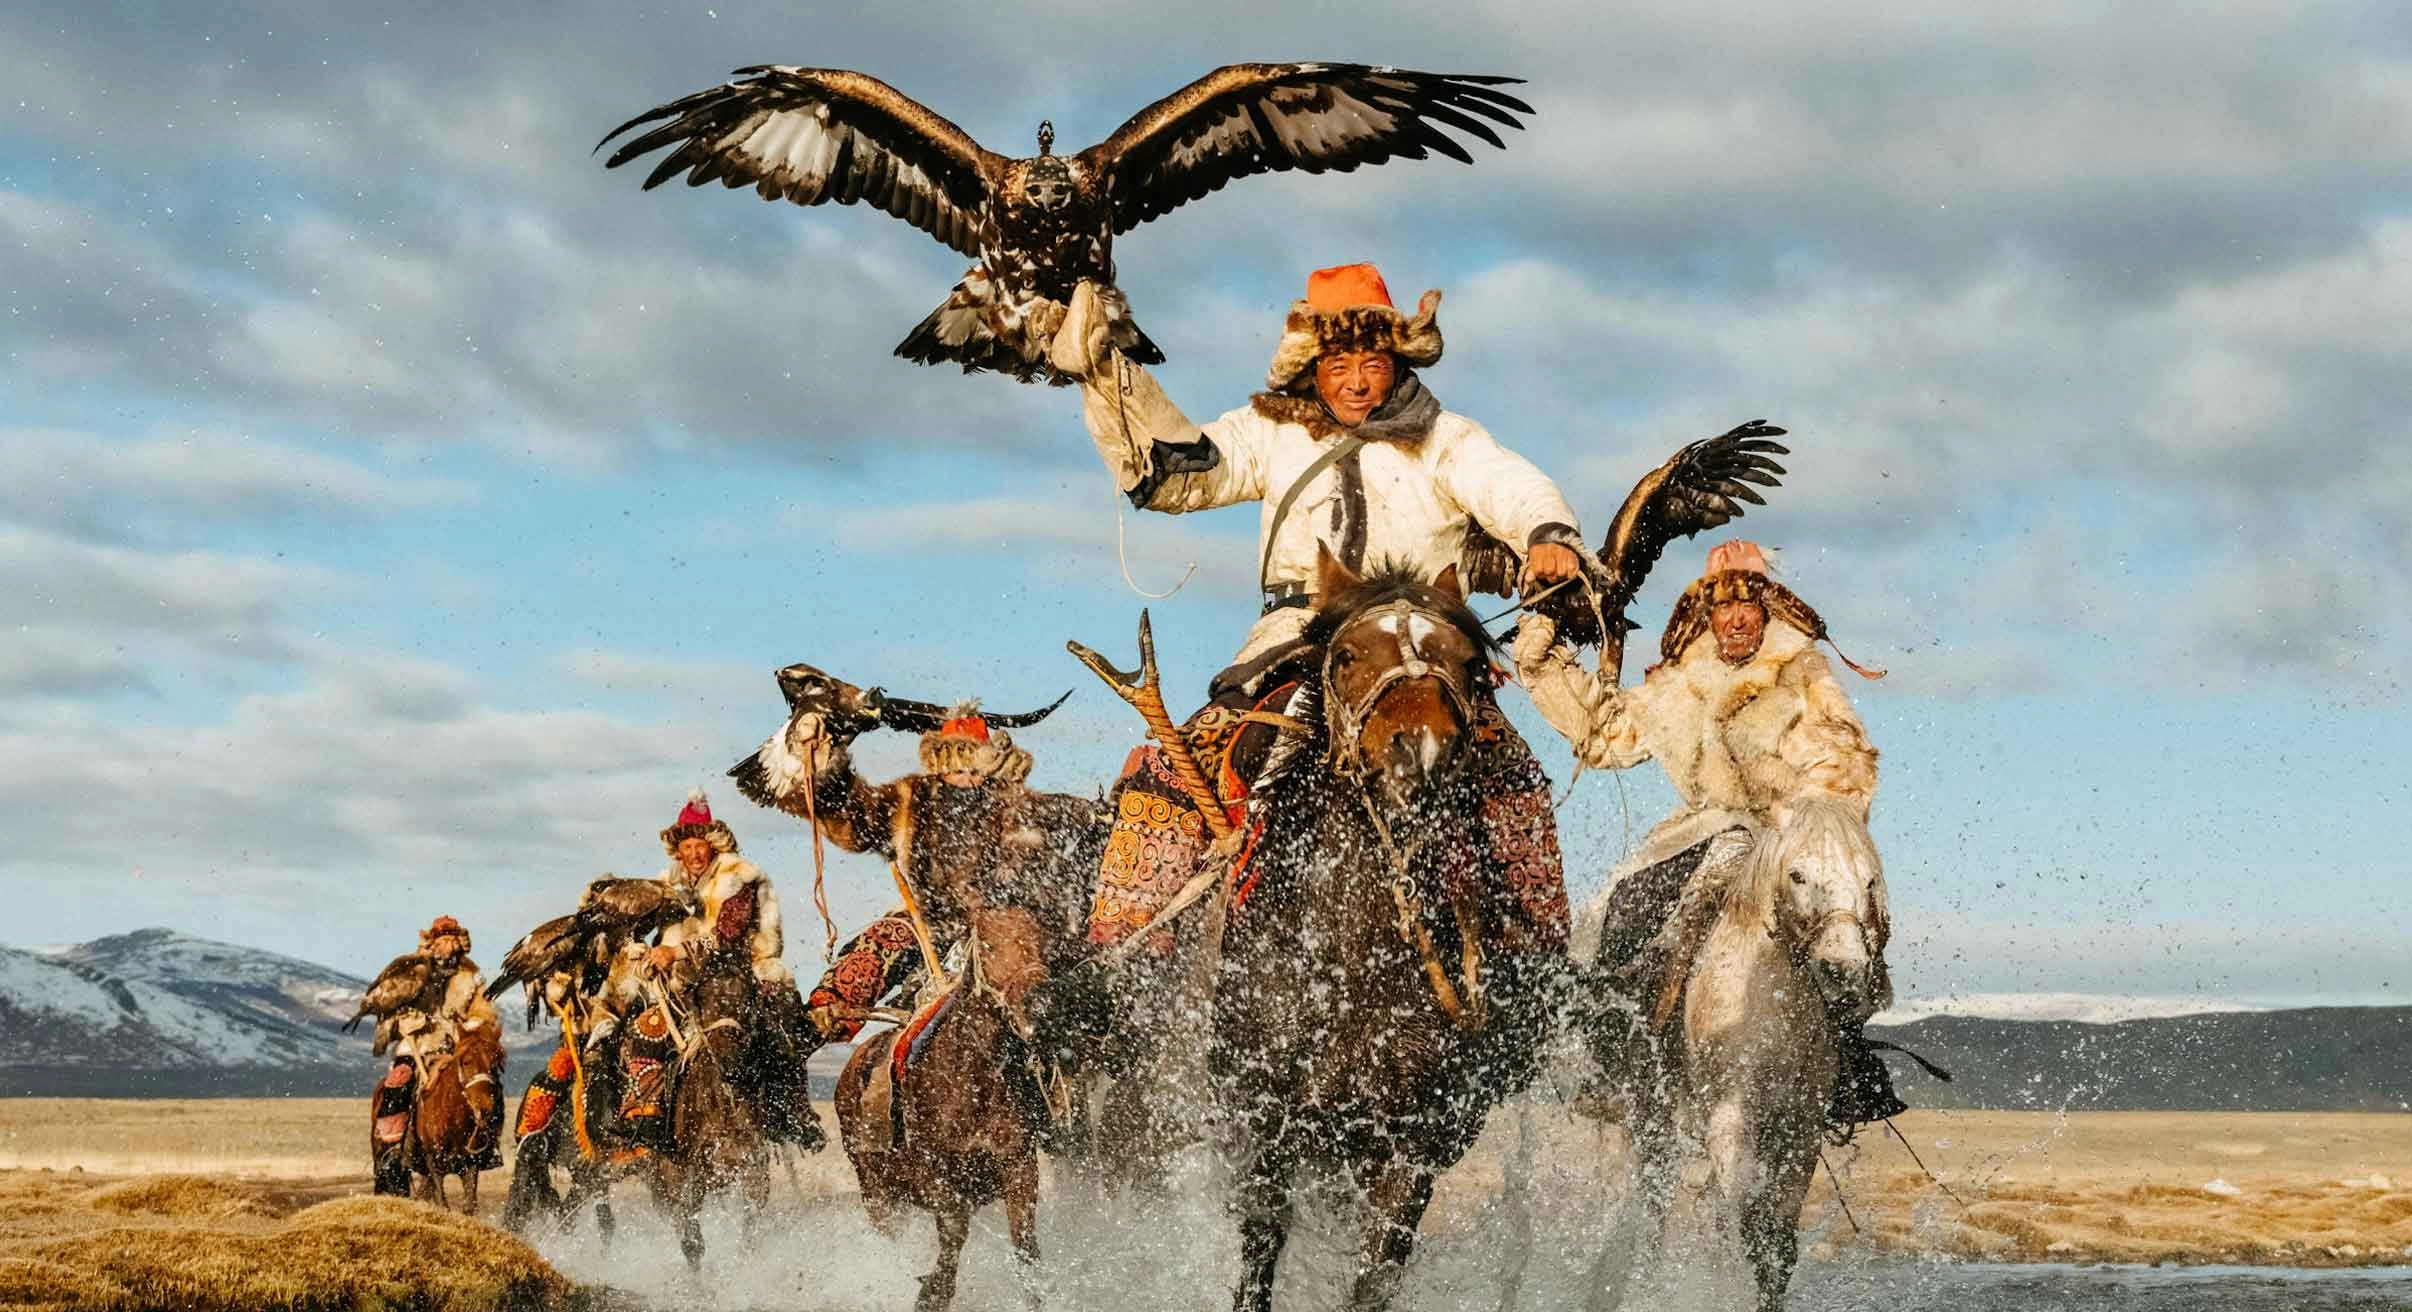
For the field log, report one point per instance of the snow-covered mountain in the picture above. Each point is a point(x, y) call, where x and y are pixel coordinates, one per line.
point(160, 1013)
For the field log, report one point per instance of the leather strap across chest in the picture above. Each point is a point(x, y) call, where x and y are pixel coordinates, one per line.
point(1348, 445)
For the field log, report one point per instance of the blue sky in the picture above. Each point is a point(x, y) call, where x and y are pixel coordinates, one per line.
point(399, 512)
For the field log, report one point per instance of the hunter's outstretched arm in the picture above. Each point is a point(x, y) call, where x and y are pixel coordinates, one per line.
point(1158, 458)
point(809, 773)
point(1604, 723)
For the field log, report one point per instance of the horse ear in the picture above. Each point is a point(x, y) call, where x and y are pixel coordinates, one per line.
point(1331, 576)
point(1447, 582)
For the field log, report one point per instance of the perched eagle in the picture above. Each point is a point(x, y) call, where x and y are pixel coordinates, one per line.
point(847, 712)
point(612, 912)
point(401, 986)
point(1700, 487)
point(1040, 225)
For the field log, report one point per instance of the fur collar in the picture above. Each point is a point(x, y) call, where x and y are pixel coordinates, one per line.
point(1406, 415)
point(1726, 689)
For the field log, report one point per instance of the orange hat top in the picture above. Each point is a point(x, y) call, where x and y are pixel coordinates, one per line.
point(1345, 286)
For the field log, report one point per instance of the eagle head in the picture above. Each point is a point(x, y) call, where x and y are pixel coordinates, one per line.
point(1048, 185)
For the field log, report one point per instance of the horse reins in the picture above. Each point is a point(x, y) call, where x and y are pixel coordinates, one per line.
point(1346, 720)
point(1347, 756)
point(1406, 898)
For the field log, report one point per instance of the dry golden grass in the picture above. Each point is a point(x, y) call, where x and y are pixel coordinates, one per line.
point(72, 1243)
point(2257, 1189)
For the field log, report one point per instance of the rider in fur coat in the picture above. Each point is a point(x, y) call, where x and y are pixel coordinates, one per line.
point(737, 916)
point(455, 996)
point(965, 821)
point(1348, 452)
point(1745, 716)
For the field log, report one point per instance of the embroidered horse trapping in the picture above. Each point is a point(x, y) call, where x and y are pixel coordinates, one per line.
point(647, 1057)
point(544, 1094)
point(1158, 837)
point(871, 965)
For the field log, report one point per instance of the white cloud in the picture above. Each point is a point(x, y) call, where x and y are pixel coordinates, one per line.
point(100, 485)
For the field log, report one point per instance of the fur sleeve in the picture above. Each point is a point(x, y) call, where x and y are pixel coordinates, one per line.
point(1827, 746)
point(770, 941)
point(855, 814)
point(465, 998)
point(1619, 737)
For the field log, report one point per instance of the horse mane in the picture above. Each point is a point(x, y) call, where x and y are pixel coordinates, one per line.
point(1393, 580)
point(478, 1047)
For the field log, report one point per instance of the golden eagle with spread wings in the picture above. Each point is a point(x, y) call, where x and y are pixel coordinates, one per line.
point(1041, 224)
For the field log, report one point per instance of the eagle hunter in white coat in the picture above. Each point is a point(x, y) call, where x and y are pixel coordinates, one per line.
point(1040, 225)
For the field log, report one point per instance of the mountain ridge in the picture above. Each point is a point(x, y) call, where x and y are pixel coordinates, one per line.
point(158, 1013)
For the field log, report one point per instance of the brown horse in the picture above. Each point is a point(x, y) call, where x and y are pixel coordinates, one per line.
point(961, 1129)
point(715, 1139)
point(1359, 1028)
point(458, 1114)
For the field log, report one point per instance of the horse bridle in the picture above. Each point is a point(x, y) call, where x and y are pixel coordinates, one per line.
point(1346, 720)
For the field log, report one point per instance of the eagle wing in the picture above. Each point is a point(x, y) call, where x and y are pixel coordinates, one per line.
point(554, 945)
point(622, 909)
point(822, 134)
point(1244, 119)
point(401, 983)
point(1703, 486)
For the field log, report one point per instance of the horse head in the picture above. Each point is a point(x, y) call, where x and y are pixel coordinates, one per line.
point(1402, 665)
point(1828, 900)
point(477, 1056)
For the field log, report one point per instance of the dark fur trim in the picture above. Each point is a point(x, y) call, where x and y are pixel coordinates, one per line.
point(1307, 333)
point(716, 833)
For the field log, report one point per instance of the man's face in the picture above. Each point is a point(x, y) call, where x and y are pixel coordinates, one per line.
point(695, 856)
point(1739, 625)
point(1353, 384)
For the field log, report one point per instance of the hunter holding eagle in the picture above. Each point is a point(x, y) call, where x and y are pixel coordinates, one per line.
point(1356, 465)
point(1041, 225)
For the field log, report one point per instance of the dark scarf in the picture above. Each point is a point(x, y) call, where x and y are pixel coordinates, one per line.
point(1406, 415)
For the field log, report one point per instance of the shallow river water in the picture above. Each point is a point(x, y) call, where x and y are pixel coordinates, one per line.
point(1109, 1254)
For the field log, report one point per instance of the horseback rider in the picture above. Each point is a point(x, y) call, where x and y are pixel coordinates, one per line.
point(735, 927)
point(965, 822)
point(1352, 454)
point(453, 996)
point(1747, 718)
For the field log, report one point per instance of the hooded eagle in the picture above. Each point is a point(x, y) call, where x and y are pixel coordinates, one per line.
point(1037, 226)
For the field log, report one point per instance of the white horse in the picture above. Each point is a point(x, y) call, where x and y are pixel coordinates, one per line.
point(1726, 1137)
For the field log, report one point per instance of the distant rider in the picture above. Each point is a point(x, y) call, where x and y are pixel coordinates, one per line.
point(454, 996)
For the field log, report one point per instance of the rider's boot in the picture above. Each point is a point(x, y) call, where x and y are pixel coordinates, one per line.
point(605, 1092)
point(1863, 1085)
point(788, 1113)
